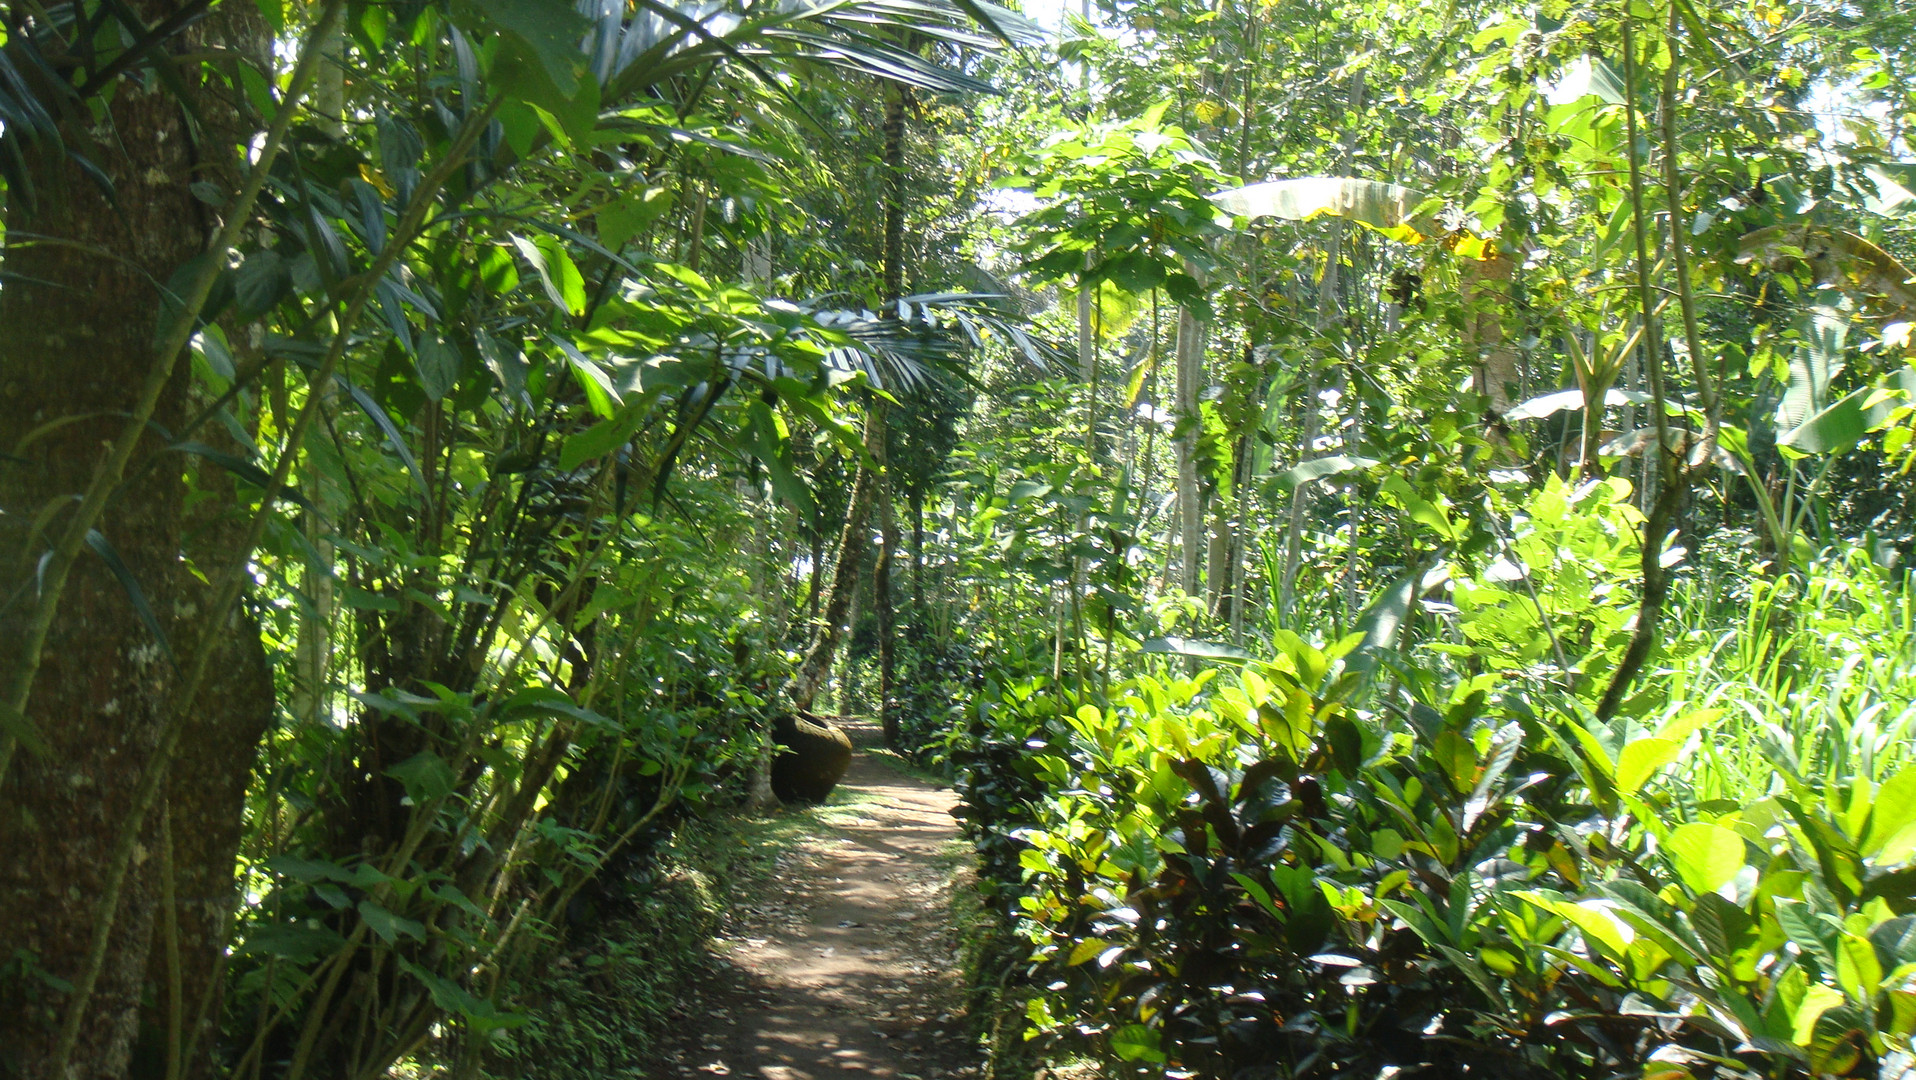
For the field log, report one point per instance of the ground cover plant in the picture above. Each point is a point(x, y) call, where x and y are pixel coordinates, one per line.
point(1393, 517)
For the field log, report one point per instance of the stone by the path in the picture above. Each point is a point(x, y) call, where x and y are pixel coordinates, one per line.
point(850, 972)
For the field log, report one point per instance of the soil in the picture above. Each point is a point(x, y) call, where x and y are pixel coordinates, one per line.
point(844, 962)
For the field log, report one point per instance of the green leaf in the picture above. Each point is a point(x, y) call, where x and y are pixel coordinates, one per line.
point(550, 701)
point(1706, 856)
point(1029, 489)
point(1085, 951)
point(1539, 407)
point(1135, 1042)
point(1851, 419)
point(1420, 509)
point(1817, 1000)
point(1641, 759)
point(1895, 188)
point(1587, 76)
point(1891, 834)
point(438, 366)
point(774, 452)
point(1346, 743)
point(482, 1015)
point(259, 283)
point(1813, 364)
point(450, 893)
point(1838, 1041)
point(385, 424)
point(1810, 934)
point(1457, 756)
point(1895, 942)
point(243, 469)
point(307, 870)
point(1599, 926)
point(622, 219)
point(600, 395)
point(366, 600)
point(299, 944)
point(550, 30)
point(388, 926)
point(1384, 619)
point(598, 440)
point(564, 285)
point(563, 275)
point(1858, 969)
point(426, 775)
point(1722, 927)
point(1320, 468)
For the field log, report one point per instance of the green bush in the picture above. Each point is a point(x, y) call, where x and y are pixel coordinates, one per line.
point(1347, 862)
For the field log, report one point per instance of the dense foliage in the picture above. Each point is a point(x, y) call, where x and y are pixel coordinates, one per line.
point(1445, 614)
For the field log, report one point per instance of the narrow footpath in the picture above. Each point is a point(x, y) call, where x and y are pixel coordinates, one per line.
point(844, 963)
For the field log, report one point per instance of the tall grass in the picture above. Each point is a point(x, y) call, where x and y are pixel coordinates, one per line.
point(1814, 677)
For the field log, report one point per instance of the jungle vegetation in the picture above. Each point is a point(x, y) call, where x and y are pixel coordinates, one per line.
point(1394, 514)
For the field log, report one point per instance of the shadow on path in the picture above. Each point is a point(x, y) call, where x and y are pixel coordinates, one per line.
point(846, 967)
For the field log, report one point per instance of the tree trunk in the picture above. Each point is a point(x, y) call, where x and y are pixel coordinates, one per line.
point(830, 628)
point(882, 604)
point(77, 328)
point(878, 441)
point(1487, 293)
point(918, 553)
point(894, 253)
point(765, 587)
point(1217, 556)
point(1190, 374)
point(815, 588)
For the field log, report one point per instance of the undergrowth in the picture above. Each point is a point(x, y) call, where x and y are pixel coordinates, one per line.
point(607, 997)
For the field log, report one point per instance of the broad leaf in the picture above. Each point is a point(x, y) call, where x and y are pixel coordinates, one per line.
point(1319, 468)
point(1851, 419)
point(1706, 856)
point(1641, 759)
point(1539, 407)
point(1208, 650)
point(388, 926)
point(1389, 208)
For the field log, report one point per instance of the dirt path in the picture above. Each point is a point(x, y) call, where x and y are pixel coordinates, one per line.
point(844, 964)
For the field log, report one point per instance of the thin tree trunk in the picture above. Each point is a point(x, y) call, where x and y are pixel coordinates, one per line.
point(1218, 555)
point(1190, 374)
point(918, 553)
point(882, 603)
point(1088, 365)
point(830, 628)
point(878, 439)
point(767, 580)
point(765, 586)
